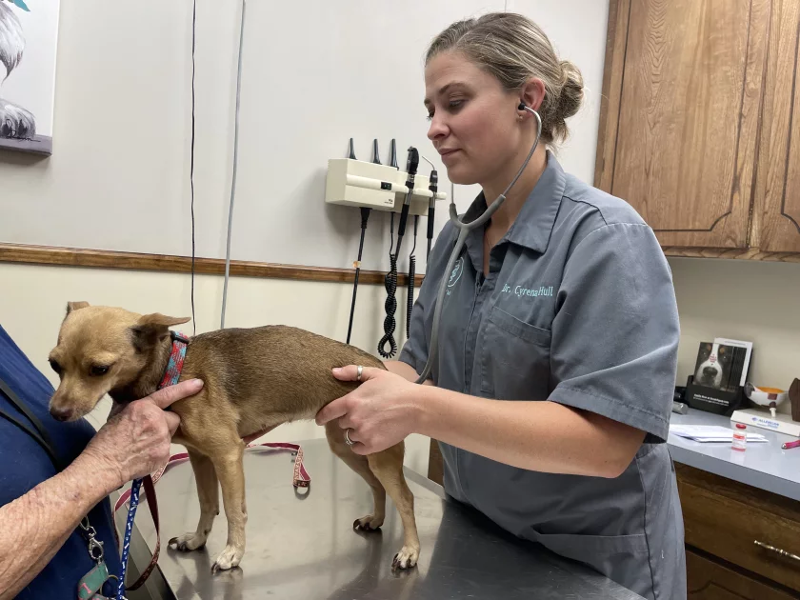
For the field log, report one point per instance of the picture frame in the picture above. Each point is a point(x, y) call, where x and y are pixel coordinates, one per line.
point(28, 44)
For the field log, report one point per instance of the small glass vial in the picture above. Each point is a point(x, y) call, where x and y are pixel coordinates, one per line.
point(740, 437)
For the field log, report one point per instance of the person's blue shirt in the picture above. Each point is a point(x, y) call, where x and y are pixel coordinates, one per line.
point(25, 464)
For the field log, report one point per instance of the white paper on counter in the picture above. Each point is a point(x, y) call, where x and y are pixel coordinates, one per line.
point(710, 433)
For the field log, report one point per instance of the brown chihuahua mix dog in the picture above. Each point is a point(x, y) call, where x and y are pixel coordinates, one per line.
point(255, 379)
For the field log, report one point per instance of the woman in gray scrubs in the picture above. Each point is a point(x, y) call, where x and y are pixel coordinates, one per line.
point(552, 389)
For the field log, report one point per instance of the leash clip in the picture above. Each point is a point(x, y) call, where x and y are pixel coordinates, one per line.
point(95, 546)
point(96, 549)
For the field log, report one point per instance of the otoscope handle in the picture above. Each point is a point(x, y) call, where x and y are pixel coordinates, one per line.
point(433, 187)
point(431, 210)
point(401, 229)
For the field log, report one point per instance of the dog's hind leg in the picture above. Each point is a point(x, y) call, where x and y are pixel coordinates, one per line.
point(208, 493)
point(360, 465)
point(388, 468)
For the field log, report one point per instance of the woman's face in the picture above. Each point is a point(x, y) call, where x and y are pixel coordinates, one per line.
point(475, 123)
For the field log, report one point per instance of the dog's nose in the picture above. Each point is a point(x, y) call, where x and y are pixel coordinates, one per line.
point(61, 414)
point(711, 371)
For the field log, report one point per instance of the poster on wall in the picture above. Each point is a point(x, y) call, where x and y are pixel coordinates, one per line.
point(28, 32)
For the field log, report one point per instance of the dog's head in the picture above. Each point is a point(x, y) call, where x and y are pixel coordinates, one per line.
point(101, 349)
point(713, 363)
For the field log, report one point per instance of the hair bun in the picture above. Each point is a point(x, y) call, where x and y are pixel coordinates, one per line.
point(571, 97)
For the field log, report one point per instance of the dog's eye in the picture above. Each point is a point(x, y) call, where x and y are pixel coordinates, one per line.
point(55, 366)
point(97, 371)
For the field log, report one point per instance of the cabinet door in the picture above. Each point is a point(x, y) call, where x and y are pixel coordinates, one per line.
point(776, 226)
point(709, 580)
point(678, 136)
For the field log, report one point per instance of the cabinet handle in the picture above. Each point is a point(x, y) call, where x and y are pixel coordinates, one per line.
point(777, 550)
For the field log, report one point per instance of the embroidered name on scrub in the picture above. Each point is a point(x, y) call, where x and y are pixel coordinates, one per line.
point(520, 291)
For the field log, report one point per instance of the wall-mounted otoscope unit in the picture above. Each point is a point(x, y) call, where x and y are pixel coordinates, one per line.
point(372, 185)
point(358, 183)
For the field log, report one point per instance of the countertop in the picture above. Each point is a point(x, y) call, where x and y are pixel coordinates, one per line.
point(301, 544)
point(764, 465)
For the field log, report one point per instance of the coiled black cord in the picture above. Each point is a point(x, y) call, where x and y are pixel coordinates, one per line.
point(390, 305)
point(412, 262)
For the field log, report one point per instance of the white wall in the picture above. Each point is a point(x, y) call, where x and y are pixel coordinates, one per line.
point(314, 74)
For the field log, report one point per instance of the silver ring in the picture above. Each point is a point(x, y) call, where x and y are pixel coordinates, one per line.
point(359, 373)
point(347, 439)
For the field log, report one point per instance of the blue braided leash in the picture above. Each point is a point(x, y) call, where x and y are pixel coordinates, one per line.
point(171, 376)
point(126, 542)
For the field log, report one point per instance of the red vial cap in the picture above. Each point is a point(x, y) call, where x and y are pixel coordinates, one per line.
point(741, 426)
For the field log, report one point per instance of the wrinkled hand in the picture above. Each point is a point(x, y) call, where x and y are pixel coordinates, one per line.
point(135, 441)
point(380, 413)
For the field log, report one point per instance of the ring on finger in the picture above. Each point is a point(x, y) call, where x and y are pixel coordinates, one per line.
point(347, 439)
point(359, 373)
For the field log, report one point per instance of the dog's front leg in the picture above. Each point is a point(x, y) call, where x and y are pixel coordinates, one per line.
point(208, 493)
point(230, 471)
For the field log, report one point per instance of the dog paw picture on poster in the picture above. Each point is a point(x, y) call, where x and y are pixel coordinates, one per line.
point(28, 32)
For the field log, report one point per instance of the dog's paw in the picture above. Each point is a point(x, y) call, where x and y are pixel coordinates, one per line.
point(406, 558)
point(368, 523)
point(228, 559)
point(188, 541)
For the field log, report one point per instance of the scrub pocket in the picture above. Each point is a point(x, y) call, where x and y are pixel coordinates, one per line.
point(624, 559)
point(515, 358)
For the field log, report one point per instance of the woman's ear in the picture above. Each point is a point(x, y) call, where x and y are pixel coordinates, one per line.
point(532, 93)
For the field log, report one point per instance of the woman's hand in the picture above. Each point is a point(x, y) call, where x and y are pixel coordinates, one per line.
point(135, 441)
point(380, 413)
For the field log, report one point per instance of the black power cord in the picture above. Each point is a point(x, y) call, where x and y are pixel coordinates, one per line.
point(365, 212)
point(191, 161)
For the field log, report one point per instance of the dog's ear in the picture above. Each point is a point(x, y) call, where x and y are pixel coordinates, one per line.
point(76, 306)
point(153, 328)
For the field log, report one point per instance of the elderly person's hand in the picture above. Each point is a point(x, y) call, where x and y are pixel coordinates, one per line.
point(135, 441)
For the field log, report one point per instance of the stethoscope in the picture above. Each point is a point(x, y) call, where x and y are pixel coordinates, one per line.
point(463, 231)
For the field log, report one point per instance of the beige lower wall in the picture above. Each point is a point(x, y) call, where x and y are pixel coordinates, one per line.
point(736, 299)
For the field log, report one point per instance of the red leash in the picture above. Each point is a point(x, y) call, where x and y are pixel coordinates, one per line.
point(300, 479)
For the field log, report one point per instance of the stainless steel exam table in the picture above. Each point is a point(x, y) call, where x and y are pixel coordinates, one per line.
point(301, 544)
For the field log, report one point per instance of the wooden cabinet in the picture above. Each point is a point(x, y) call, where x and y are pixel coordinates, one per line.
point(697, 129)
point(723, 520)
point(710, 580)
point(777, 218)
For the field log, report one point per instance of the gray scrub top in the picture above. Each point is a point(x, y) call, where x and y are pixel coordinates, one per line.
point(578, 308)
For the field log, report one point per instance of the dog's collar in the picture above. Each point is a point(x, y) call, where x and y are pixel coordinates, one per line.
point(176, 357)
